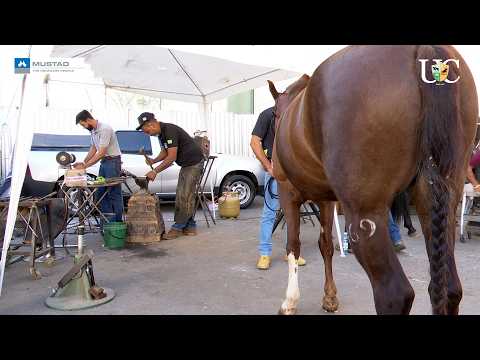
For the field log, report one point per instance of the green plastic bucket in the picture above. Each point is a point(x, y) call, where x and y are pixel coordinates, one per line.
point(114, 235)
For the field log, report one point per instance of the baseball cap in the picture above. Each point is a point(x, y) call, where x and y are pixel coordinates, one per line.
point(143, 118)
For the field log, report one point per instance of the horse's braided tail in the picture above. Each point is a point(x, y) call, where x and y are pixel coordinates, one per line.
point(440, 159)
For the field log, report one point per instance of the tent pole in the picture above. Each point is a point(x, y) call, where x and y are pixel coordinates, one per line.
point(30, 103)
point(205, 112)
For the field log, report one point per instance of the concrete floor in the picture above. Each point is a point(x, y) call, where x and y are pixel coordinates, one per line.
point(214, 273)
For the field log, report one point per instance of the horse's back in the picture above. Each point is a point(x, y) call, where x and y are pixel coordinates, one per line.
point(368, 105)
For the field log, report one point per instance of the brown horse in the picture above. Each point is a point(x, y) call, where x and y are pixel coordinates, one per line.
point(363, 128)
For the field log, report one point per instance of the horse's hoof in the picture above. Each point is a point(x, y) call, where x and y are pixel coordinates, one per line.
point(330, 304)
point(329, 312)
point(283, 311)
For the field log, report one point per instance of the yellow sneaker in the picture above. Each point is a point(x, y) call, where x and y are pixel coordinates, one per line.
point(301, 261)
point(264, 262)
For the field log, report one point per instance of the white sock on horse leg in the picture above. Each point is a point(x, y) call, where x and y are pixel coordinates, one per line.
point(289, 305)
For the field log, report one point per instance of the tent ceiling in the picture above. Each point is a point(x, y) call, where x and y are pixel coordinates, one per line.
point(168, 73)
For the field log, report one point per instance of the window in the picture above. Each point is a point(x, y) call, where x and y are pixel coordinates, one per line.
point(131, 141)
point(241, 103)
point(50, 142)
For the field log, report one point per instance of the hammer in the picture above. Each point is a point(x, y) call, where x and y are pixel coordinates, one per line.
point(142, 152)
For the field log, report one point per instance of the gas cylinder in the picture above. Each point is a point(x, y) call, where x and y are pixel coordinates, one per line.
point(229, 204)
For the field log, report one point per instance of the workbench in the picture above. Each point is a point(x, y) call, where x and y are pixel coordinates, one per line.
point(83, 205)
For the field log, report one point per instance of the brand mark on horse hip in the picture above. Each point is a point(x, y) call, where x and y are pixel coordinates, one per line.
point(351, 235)
point(373, 227)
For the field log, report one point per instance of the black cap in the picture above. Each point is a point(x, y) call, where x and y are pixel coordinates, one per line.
point(82, 116)
point(143, 118)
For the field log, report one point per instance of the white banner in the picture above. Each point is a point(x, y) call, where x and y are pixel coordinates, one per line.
point(30, 104)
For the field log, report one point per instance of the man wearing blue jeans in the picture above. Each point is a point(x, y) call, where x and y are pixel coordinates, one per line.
point(268, 216)
point(395, 235)
point(262, 145)
point(104, 148)
point(112, 203)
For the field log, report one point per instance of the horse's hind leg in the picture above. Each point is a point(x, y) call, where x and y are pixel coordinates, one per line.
point(290, 202)
point(330, 301)
point(454, 292)
point(372, 246)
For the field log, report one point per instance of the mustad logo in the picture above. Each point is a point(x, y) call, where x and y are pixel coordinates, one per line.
point(22, 65)
point(50, 63)
point(440, 70)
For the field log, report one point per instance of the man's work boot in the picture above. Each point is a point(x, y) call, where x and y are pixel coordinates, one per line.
point(264, 262)
point(301, 261)
point(190, 231)
point(412, 232)
point(173, 234)
point(399, 246)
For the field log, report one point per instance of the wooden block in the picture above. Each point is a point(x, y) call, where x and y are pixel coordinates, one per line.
point(144, 219)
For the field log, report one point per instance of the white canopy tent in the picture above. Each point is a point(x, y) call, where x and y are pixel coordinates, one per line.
point(302, 58)
point(149, 70)
point(30, 101)
point(171, 74)
point(299, 58)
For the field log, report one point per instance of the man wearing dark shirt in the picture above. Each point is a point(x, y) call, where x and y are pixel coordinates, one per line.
point(177, 146)
point(263, 135)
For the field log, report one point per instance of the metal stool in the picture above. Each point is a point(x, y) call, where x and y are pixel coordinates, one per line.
point(200, 189)
point(37, 232)
point(315, 211)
